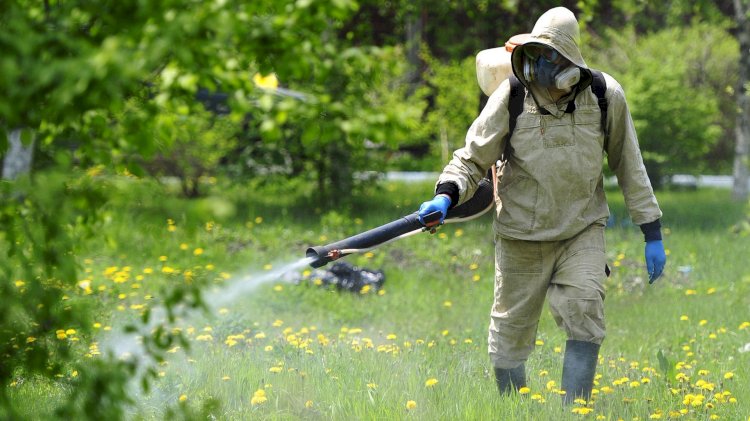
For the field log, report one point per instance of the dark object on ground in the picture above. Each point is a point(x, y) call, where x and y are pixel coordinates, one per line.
point(345, 276)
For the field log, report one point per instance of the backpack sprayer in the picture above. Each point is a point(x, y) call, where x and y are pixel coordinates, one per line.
point(406, 226)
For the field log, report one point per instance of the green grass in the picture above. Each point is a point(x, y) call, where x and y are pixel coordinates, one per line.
point(322, 354)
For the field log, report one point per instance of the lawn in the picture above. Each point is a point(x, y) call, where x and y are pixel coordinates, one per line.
point(281, 346)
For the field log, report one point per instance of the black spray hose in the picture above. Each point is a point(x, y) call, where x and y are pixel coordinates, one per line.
point(480, 203)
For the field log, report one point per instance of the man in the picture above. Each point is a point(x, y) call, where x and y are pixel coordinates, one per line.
point(549, 224)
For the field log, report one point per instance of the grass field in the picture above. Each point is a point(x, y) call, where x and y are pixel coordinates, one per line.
point(416, 349)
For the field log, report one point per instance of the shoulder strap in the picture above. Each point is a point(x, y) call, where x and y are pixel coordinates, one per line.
point(515, 107)
point(599, 87)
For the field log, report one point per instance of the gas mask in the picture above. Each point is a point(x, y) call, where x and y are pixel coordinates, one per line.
point(549, 68)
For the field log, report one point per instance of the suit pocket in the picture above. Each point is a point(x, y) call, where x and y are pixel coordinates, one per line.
point(519, 198)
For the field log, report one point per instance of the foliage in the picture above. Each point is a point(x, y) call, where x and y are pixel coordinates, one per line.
point(201, 142)
point(455, 104)
point(675, 134)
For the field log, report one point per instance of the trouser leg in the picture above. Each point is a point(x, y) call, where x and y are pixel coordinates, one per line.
point(521, 281)
point(576, 297)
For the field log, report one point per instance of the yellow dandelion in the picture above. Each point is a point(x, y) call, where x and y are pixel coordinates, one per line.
point(728, 375)
point(198, 251)
point(539, 342)
point(225, 378)
point(524, 390)
point(431, 382)
point(276, 369)
point(411, 405)
point(447, 304)
point(684, 318)
point(30, 339)
point(183, 398)
point(259, 397)
point(581, 410)
point(308, 404)
point(744, 325)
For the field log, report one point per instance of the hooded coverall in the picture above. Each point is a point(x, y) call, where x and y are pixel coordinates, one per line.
point(550, 219)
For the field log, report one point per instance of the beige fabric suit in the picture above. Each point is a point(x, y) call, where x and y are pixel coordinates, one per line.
point(549, 224)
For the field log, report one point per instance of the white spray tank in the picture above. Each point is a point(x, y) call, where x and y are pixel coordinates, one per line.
point(493, 65)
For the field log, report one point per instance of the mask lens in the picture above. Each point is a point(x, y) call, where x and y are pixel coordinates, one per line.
point(548, 54)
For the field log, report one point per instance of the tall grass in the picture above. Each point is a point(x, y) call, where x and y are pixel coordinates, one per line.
point(416, 349)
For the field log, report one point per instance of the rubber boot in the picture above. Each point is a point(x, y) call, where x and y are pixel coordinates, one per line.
point(510, 379)
point(579, 368)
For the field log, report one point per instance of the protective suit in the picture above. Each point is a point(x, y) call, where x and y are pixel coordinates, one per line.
point(552, 210)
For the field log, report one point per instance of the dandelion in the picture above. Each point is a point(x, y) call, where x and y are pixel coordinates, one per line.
point(198, 251)
point(728, 375)
point(278, 288)
point(411, 405)
point(581, 410)
point(276, 369)
point(391, 337)
point(183, 246)
point(524, 390)
point(259, 397)
point(309, 404)
point(431, 382)
point(539, 342)
point(703, 322)
point(372, 386)
point(684, 318)
point(183, 398)
point(691, 292)
point(30, 339)
point(225, 378)
point(744, 325)
point(447, 304)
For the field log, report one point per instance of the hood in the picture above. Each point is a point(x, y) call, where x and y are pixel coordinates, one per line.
point(557, 28)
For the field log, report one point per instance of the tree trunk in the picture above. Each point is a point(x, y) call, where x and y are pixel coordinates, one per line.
point(18, 159)
point(414, 29)
point(742, 147)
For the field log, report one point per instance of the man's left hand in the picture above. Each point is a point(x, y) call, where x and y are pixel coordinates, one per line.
point(656, 258)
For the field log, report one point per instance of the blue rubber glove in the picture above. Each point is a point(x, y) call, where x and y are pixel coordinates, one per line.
point(440, 203)
point(656, 258)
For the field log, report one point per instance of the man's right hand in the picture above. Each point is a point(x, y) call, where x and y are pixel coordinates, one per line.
point(439, 203)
